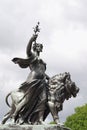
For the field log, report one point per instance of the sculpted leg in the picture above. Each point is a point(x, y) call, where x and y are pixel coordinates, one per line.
point(18, 108)
point(53, 111)
point(6, 117)
point(9, 114)
point(42, 99)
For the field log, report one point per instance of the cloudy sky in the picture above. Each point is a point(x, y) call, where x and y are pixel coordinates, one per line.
point(63, 34)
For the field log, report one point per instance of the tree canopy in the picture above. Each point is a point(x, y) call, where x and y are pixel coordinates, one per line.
point(78, 120)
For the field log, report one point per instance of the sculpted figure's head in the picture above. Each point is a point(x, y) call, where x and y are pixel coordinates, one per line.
point(37, 47)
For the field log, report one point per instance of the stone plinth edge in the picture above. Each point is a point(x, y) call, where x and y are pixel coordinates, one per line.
point(32, 127)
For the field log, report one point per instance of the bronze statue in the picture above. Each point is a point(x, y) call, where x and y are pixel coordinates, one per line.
point(39, 94)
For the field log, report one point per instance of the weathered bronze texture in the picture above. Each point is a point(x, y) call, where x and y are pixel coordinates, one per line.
point(39, 94)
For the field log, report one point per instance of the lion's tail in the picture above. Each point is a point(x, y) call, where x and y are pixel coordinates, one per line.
point(6, 99)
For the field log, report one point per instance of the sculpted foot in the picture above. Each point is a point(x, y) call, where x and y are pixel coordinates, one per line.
point(41, 122)
point(57, 121)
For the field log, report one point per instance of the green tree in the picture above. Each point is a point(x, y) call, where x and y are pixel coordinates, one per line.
point(78, 120)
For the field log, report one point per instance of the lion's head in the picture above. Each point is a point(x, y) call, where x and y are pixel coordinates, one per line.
point(62, 86)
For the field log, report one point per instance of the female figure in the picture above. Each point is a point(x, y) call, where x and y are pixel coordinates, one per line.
point(32, 108)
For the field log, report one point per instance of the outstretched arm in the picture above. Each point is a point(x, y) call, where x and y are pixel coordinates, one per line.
point(28, 49)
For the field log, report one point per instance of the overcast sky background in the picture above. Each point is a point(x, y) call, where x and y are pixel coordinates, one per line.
point(63, 35)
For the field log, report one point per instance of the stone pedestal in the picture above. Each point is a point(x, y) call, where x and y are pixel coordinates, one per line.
point(32, 127)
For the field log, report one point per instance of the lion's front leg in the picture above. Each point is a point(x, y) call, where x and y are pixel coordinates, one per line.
point(53, 111)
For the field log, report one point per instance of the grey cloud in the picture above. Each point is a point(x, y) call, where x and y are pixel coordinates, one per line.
point(16, 22)
point(75, 12)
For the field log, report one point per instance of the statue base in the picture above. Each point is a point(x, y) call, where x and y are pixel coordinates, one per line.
point(33, 127)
